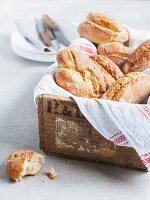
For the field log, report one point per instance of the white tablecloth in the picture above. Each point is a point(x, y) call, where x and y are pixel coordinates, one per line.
point(18, 118)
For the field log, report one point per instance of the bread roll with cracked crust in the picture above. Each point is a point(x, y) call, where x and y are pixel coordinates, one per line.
point(73, 82)
point(132, 88)
point(116, 51)
point(139, 60)
point(110, 67)
point(80, 75)
point(22, 163)
point(100, 28)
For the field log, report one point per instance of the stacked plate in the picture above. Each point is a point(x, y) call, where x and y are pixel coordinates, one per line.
point(28, 50)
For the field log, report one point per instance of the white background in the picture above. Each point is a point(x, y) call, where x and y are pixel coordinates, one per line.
point(18, 118)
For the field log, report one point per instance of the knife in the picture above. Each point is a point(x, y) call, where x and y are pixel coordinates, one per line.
point(40, 28)
point(47, 37)
point(57, 32)
point(54, 41)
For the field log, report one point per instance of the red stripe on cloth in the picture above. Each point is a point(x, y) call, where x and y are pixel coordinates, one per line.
point(80, 43)
point(115, 135)
point(146, 154)
point(146, 109)
point(120, 139)
point(92, 51)
point(144, 113)
point(126, 143)
point(146, 161)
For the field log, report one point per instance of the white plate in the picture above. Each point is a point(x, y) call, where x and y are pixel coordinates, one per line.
point(27, 50)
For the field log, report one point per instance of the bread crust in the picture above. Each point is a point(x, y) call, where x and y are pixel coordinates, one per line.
point(128, 88)
point(73, 82)
point(116, 51)
point(108, 65)
point(94, 33)
point(81, 75)
point(100, 28)
point(139, 60)
point(104, 21)
point(15, 165)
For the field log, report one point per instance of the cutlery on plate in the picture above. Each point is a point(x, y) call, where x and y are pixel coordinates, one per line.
point(41, 30)
point(28, 30)
point(56, 30)
point(46, 35)
point(54, 41)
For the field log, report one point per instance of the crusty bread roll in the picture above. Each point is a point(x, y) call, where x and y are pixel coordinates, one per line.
point(108, 65)
point(139, 60)
point(116, 51)
point(132, 88)
point(80, 75)
point(100, 28)
point(22, 163)
point(73, 82)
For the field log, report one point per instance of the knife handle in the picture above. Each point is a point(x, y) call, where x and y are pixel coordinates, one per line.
point(45, 38)
point(49, 32)
point(50, 22)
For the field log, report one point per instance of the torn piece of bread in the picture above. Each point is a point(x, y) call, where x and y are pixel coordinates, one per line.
point(133, 87)
point(52, 174)
point(22, 163)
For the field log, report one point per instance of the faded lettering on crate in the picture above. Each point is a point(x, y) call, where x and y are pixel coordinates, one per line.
point(54, 106)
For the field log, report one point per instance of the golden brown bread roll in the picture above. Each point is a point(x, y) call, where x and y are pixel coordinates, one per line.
point(73, 82)
point(22, 163)
point(100, 28)
point(116, 51)
point(139, 60)
point(80, 75)
point(108, 65)
point(132, 88)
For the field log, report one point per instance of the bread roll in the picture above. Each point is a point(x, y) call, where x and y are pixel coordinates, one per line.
point(116, 51)
point(80, 75)
point(132, 88)
point(22, 163)
point(73, 82)
point(107, 64)
point(100, 28)
point(139, 60)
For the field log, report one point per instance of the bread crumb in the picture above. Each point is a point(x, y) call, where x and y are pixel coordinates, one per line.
point(52, 174)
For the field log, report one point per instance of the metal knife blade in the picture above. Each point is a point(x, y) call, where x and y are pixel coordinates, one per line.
point(61, 38)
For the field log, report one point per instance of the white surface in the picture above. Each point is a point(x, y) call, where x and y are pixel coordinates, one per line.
point(18, 119)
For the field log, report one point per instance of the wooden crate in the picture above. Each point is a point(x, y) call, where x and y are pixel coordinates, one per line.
point(64, 131)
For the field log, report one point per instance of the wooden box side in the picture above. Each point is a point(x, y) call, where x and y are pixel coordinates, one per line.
point(64, 131)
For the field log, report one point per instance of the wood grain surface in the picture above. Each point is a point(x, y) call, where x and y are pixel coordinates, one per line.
point(64, 131)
